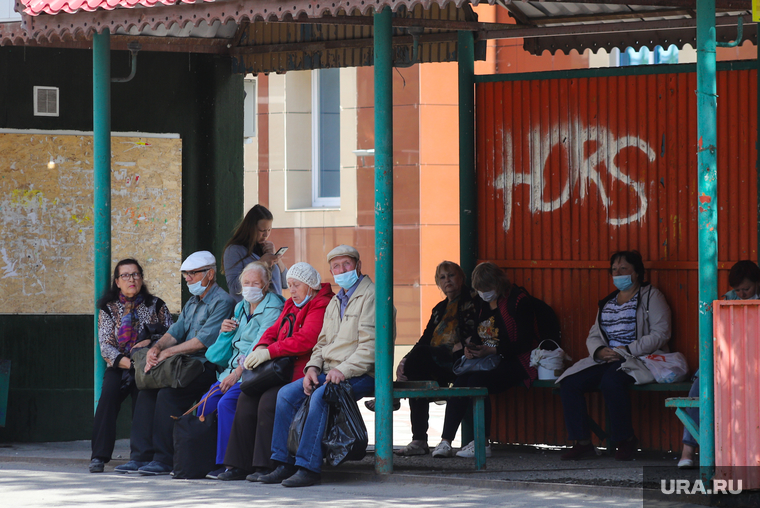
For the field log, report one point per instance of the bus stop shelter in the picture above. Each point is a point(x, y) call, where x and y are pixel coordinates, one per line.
point(277, 36)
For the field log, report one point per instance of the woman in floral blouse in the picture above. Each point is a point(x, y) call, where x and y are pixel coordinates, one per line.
point(125, 308)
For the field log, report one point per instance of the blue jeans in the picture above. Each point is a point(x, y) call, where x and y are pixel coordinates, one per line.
point(693, 412)
point(289, 399)
point(226, 403)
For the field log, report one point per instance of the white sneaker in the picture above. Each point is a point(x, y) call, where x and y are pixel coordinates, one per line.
point(443, 450)
point(468, 451)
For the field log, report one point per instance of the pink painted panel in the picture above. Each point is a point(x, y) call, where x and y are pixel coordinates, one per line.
point(737, 391)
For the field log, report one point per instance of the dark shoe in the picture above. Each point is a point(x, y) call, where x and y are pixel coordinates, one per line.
point(130, 467)
point(233, 474)
point(282, 472)
point(626, 448)
point(254, 477)
point(303, 478)
point(155, 468)
point(97, 466)
point(214, 475)
point(579, 451)
point(370, 404)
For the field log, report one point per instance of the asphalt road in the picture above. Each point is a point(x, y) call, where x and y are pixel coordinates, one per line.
point(38, 485)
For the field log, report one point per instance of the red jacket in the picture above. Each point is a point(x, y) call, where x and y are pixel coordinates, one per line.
point(306, 330)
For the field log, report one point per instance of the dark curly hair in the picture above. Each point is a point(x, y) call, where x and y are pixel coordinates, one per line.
point(633, 258)
point(112, 294)
point(743, 270)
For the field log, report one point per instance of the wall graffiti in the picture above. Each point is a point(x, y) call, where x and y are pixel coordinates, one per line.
point(587, 153)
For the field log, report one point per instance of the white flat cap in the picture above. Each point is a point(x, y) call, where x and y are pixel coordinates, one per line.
point(343, 250)
point(199, 259)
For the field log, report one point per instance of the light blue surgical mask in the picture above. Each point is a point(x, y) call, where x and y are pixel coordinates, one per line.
point(488, 296)
point(622, 282)
point(299, 305)
point(197, 288)
point(346, 280)
point(252, 294)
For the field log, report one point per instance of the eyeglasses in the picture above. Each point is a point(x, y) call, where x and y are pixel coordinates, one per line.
point(127, 276)
point(192, 273)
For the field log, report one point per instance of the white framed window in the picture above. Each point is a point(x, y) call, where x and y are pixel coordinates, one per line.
point(7, 12)
point(249, 107)
point(325, 138)
point(45, 101)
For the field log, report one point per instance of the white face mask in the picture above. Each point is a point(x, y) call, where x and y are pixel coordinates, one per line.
point(252, 294)
point(488, 296)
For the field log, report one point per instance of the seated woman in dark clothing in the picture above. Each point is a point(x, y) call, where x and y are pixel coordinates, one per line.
point(432, 358)
point(505, 327)
point(633, 320)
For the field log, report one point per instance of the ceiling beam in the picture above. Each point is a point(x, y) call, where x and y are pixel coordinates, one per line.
point(733, 5)
point(401, 40)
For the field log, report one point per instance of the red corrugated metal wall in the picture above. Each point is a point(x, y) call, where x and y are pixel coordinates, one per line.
point(571, 170)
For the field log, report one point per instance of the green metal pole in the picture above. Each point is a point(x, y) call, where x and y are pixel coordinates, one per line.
point(101, 126)
point(708, 225)
point(384, 241)
point(468, 190)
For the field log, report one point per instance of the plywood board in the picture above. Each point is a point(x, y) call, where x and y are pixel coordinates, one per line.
point(46, 218)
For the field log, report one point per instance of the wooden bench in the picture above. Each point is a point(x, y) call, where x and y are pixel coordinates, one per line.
point(651, 387)
point(431, 390)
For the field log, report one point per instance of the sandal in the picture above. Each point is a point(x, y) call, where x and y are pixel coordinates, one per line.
point(412, 449)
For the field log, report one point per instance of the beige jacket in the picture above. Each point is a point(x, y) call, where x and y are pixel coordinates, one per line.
point(652, 330)
point(349, 344)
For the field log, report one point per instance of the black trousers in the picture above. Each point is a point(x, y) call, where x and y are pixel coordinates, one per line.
point(152, 436)
point(117, 386)
point(250, 444)
point(426, 363)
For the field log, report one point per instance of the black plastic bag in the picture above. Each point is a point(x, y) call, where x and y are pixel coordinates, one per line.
point(194, 444)
point(296, 426)
point(346, 435)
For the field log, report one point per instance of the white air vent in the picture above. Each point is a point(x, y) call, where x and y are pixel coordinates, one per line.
point(45, 101)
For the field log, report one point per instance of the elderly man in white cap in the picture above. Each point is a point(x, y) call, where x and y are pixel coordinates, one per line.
point(345, 351)
point(151, 440)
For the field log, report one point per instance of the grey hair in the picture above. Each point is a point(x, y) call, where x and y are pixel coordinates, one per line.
point(263, 270)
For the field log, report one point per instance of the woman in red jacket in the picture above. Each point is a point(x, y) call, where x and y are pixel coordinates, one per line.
point(248, 450)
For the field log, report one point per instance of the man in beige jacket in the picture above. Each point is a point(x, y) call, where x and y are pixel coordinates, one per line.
point(345, 351)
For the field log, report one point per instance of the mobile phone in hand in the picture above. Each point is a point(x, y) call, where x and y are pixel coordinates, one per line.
point(281, 251)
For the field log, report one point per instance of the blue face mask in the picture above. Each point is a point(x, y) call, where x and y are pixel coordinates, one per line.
point(622, 282)
point(346, 280)
point(197, 288)
point(299, 305)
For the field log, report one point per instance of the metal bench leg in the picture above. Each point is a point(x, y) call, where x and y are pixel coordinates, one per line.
point(479, 420)
point(688, 422)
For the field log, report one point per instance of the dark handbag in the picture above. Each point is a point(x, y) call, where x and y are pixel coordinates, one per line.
point(195, 442)
point(466, 365)
point(177, 371)
point(275, 372)
point(346, 437)
point(296, 426)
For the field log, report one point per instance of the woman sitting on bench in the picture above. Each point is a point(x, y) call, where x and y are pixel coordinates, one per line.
point(636, 319)
point(744, 279)
point(432, 358)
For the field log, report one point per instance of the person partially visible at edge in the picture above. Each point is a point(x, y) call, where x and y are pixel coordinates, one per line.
point(452, 321)
point(294, 334)
point(151, 439)
point(744, 279)
point(249, 243)
point(239, 335)
point(345, 351)
point(506, 326)
point(124, 310)
point(632, 320)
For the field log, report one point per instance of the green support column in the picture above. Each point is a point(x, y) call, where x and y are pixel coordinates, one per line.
point(468, 190)
point(384, 242)
point(101, 126)
point(708, 225)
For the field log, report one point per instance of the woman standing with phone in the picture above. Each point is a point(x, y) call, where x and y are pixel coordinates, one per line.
point(249, 243)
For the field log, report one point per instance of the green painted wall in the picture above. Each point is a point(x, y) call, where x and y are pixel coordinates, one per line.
point(196, 96)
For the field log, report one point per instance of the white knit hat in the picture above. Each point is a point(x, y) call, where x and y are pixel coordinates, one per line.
point(305, 273)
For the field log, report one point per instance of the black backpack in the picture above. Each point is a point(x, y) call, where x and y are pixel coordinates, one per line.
point(547, 323)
